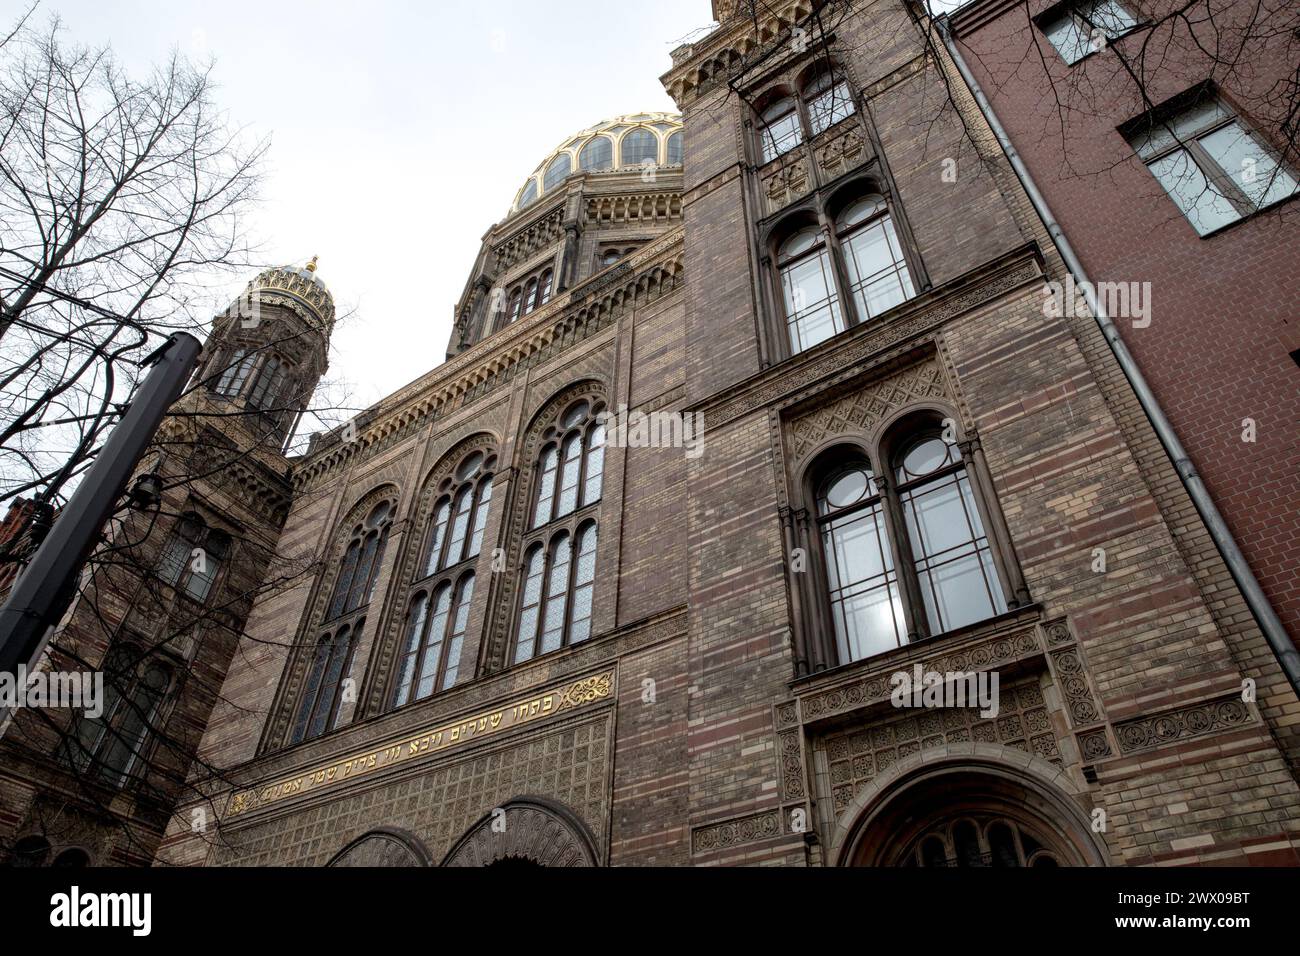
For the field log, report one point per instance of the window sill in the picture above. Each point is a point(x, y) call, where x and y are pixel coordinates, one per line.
point(1270, 207)
point(917, 651)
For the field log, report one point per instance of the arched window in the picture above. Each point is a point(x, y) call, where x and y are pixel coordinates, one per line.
point(829, 101)
point(904, 554)
point(345, 618)
point(968, 844)
point(530, 296)
point(952, 558)
point(639, 146)
point(873, 257)
point(113, 745)
point(270, 381)
point(597, 155)
point(559, 567)
point(557, 172)
point(193, 556)
point(675, 149)
point(781, 130)
point(529, 194)
point(556, 607)
point(866, 247)
point(438, 610)
point(812, 309)
point(866, 606)
point(544, 288)
point(233, 379)
point(571, 465)
point(460, 515)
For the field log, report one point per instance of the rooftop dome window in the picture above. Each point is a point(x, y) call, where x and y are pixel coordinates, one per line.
point(529, 195)
point(640, 146)
point(675, 149)
point(597, 155)
point(557, 172)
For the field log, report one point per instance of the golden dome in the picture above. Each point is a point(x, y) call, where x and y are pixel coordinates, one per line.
point(614, 144)
point(302, 285)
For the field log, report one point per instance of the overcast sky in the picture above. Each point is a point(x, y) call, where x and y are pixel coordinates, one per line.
point(400, 131)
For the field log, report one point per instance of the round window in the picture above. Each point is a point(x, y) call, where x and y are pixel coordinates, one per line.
point(574, 415)
point(924, 456)
point(470, 466)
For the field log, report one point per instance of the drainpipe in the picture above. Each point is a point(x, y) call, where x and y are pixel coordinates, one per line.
point(1278, 639)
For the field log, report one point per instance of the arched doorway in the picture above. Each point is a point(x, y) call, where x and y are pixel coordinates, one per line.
point(385, 846)
point(523, 833)
point(971, 813)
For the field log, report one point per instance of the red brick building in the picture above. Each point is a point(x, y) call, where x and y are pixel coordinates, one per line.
point(1163, 138)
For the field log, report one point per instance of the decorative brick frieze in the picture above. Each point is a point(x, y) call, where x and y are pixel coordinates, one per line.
point(731, 833)
point(1211, 717)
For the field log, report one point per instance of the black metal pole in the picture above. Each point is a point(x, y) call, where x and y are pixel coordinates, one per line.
point(46, 586)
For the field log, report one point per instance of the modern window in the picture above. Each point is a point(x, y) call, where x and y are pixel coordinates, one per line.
point(113, 746)
point(865, 245)
point(903, 554)
point(193, 556)
point(345, 618)
point(1210, 164)
point(559, 566)
point(1077, 29)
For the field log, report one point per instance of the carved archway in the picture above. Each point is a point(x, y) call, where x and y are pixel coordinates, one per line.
point(524, 831)
point(904, 819)
point(383, 847)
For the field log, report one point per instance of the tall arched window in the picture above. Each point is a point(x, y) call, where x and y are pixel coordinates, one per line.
point(781, 131)
point(639, 146)
point(812, 308)
point(233, 379)
point(270, 382)
point(438, 610)
point(866, 606)
point(345, 617)
point(873, 257)
point(597, 155)
point(905, 554)
point(114, 745)
point(193, 556)
point(950, 550)
point(572, 464)
point(675, 149)
point(559, 566)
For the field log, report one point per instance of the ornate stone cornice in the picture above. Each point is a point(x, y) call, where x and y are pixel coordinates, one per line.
point(572, 317)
